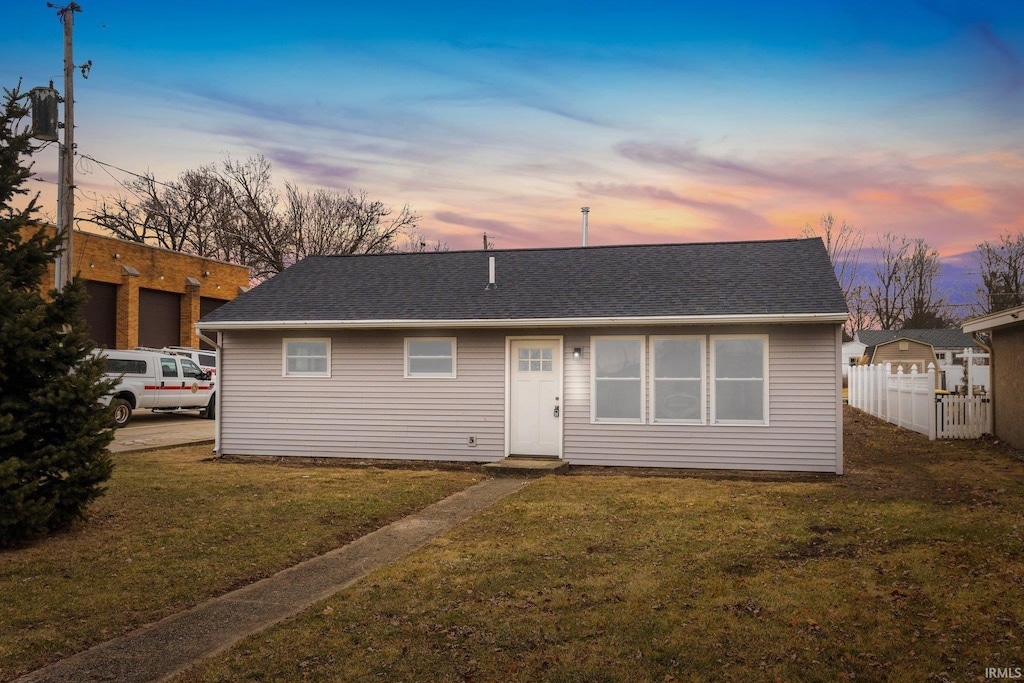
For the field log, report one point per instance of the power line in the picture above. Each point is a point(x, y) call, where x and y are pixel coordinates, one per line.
point(124, 170)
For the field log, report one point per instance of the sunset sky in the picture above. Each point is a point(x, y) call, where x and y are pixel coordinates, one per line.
point(673, 121)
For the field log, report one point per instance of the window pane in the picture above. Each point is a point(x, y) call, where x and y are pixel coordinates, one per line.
point(677, 358)
point(677, 399)
point(190, 369)
point(209, 361)
point(524, 365)
point(739, 400)
point(534, 354)
point(430, 366)
point(545, 354)
point(524, 354)
point(117, 366)
point(168, 367)
point(617, 399)
point(742, 358)
point(534, 366)
point(308, 364)
point(617, 358)
point(430, 348)
point(307, 348)
point(545, 365)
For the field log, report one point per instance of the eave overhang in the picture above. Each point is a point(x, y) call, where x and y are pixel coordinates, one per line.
point(612, 321)
point(999, 319)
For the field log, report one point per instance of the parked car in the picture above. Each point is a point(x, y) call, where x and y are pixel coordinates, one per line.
point(207, 360)
point(160, 381)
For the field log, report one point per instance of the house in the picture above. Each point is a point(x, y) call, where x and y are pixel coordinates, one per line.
point(1006, 329)
point(853, 351)
point(720, 355)
point(145, 295)
point(945, 348)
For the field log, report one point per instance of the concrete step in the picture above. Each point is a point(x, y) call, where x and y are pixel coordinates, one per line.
point(526, 467)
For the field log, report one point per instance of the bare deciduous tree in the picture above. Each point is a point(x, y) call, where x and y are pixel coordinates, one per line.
point(843, 243)
point(1001, 268)
point(923, 305)
point(887, 295)
point(904, 293)
point(233, 212)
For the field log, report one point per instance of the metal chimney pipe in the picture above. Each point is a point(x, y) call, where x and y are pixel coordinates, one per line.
point(586, 213)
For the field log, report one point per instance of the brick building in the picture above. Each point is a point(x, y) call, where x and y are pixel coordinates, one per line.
point(140, 295)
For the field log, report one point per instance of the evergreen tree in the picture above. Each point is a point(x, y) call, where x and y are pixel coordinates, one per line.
point(53, 431)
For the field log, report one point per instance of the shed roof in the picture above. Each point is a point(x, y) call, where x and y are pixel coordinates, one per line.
point(940, 339)
point(784, 279)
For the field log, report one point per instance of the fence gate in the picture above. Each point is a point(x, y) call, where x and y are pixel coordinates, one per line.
point(909, 400)
point(962, 417)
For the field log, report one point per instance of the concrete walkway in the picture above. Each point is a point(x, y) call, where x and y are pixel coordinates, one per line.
point(160, 650)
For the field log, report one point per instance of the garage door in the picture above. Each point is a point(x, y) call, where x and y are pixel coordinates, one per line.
point(100, 313)
point(207, 305)
point(159, 318)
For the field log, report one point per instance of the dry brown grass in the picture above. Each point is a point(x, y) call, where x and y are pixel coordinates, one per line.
point(908, 568)
point(176, 528)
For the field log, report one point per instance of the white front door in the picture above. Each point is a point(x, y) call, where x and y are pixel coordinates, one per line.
point(535, 422)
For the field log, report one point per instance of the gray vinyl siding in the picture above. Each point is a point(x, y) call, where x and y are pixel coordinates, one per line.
point(367, 409)
point(805, 419)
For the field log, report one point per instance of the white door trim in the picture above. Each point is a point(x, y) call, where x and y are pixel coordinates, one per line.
point(508, 387)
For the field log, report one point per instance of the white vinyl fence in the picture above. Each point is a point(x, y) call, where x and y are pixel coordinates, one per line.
point(908, 399)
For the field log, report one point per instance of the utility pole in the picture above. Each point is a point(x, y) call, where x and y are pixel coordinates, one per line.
point(66, 189)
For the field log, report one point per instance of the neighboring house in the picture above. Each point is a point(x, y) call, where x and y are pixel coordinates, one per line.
point(1006, 329)
point(719, 355)
point(853, 351)
point(905, 354)
point(145, 295)
point(947, 346)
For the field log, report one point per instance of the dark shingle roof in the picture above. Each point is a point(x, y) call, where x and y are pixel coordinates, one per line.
point(940, 339)
point(728, 278)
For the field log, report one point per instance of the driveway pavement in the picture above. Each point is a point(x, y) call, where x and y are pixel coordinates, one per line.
point(149, 430)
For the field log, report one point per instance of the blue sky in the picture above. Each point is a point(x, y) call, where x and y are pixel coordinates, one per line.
point(672, 121)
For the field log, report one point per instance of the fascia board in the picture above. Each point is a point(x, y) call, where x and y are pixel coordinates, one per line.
point(1007, 317)
point(503, 323)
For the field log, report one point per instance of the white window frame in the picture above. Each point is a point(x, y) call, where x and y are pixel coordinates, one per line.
point(431, 375)
point(713, 379)
point(703, 378)
point(643, 379)
point(284, 357)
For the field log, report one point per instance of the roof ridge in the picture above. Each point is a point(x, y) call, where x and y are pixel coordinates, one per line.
point(596, 247)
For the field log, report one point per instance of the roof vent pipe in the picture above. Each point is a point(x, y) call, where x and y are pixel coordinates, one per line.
point(490, 273)
point(586, 213)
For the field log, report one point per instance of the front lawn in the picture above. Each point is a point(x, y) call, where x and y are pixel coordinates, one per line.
point(908, 568)
point(176, 528)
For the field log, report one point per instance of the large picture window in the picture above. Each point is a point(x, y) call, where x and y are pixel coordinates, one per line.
point(307, 358)
point(677, 386)
point(618, 387)
point(740, 388)
point(430, 357)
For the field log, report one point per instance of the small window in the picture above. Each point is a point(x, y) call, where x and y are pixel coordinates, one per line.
point(122, 366)
point(190, 369)
point(618, 386)
point(208, 360)
point(678, 379)
point(740, 388)
point(168, 367)
point(307, 357)
point(430, 357)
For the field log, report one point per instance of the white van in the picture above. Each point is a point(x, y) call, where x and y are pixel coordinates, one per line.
point(157, 380)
